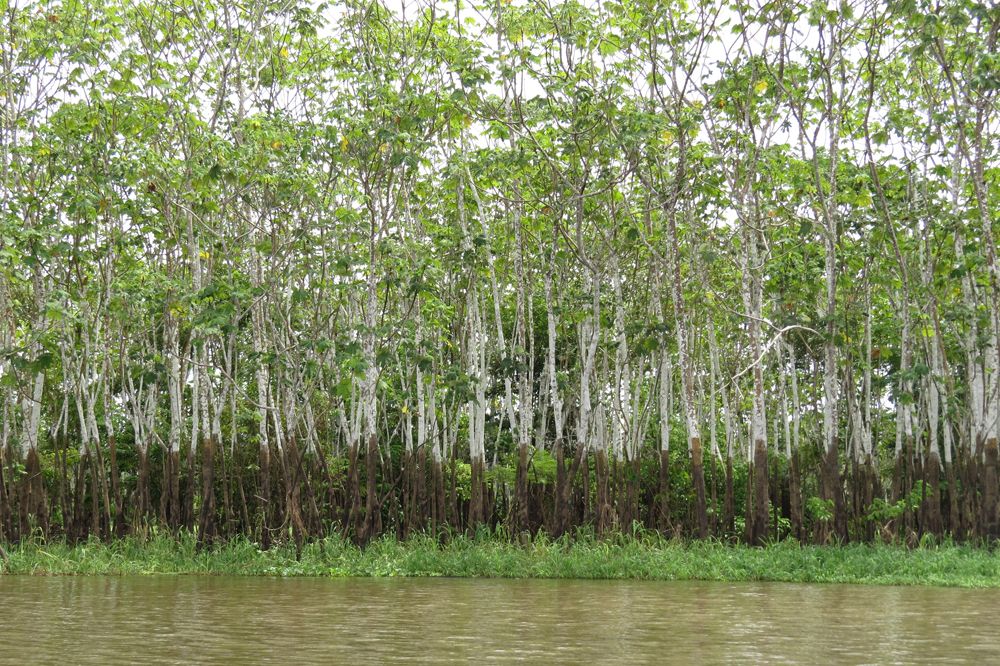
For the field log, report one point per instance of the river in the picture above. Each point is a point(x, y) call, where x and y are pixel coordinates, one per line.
point(187, 619)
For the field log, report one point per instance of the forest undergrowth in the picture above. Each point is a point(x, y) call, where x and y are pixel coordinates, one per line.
point(640, 556)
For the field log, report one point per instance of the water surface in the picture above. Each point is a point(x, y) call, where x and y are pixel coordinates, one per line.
point(187, 619)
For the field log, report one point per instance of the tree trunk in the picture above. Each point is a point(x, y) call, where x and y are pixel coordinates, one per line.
point(521, 522)
point(95, 502)
point(603, 508)
point(368, 529)
point(439, 515)
point(6, 533)
point(872, 489)
point(557, 508)
point(760, 490)
point(293, 474)
point(954, 519)
point(476, 496)
point(932, 499)
point(663, 518)
point(970, 498)
point(187, 499)
point(206, 520)
point(105, 498)
point(420, 508)
point(990, 506)
point(64, 499)
point(632, 493)
point(565, 508)
point(116, 495)
point(408, 510)
point(227, 497)
point(835, 491)
point(80, 517)
point(698, 478)
point(35, 500)
point(142, 503)
point(729, 501)
point(352, 513)
point(795, 496)
point(264, 494)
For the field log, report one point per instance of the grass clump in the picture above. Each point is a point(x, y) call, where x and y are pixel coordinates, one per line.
point(632, 557)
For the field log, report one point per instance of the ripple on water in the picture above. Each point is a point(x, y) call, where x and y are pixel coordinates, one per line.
point(183, 620)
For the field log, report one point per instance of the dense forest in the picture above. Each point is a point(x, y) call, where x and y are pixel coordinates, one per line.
point(713, 267)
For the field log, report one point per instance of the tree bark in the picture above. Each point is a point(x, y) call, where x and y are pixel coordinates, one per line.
point(207, 530)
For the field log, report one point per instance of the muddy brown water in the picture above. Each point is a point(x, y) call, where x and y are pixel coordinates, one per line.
point(224, 620)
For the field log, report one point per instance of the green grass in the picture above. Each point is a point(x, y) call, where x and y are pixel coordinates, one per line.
point(646, 557)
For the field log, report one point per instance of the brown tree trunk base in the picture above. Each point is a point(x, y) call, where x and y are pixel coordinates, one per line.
point(476, 496)
point(565, 510)
point(35, 502)
point(439, 500)
point(557, 509)
point(142, 503)
point(832, 489)
point(603, 509)
point(408, 511)
point(227, 497)
point(206, 519)
point(761, 513)
point(80, 513)
point(352, 508)
point(6, 528)
point(872, 489)
point(795, 508)
point(698, 479)
point(954, 525)
point(370, 528)
point(931, 506)
point(116, 495)
point(95, 499)
point(294, 479)
point(663, 522)
point(420, 490)
point(264, 495)
point(632, 493)
point(187, 497)
point(729, 500)
point(970, 498)
point(990, 506)
point(521, 500)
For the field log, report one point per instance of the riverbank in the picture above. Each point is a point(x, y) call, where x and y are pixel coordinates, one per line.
point(631, 558)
